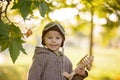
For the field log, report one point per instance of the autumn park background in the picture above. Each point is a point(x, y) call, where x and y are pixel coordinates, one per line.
point(92, 27)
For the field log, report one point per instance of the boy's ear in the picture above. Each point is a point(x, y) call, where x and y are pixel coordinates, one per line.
point(43, 41)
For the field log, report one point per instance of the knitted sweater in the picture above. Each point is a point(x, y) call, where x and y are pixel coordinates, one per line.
point(49, 66)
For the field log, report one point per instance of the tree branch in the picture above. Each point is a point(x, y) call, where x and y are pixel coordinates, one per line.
point(5, 11)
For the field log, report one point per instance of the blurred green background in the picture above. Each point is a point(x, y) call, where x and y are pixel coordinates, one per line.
point(105, 66)
point(92, 27)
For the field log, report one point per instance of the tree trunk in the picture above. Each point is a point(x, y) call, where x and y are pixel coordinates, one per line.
point(0, 12)
point(91, 33)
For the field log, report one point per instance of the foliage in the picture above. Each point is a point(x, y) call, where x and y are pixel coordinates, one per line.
point(26, 7)
point(11, 36)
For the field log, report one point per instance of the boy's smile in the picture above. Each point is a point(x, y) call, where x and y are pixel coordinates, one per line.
point(53, 40)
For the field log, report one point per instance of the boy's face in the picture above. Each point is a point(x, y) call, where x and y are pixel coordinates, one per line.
point(53, 40)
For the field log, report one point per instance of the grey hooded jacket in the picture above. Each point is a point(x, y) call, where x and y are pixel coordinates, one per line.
point(49, 66)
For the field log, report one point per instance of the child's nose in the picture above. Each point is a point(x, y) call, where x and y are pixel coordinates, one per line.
point(53, 40)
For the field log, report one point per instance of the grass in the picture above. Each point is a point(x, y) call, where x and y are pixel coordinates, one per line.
point(105, 66)
point(13, 72)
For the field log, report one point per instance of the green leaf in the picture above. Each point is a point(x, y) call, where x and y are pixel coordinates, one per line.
point(4, 35)
point(4, 29)
point(20, 42)
point(12, 41)
point(43, 8)
point(15, 5)
point(4, 43)
point(15, 47)
point(14, 50)
point(36, 3)
point(25, 8)
point(15, 31)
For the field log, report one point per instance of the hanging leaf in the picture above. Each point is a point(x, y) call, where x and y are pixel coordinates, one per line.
point(4, 43)
point(4, 29)
point(36, 4)
point(10, 37)
point(14, 50)
point(15, 47)
point(4, 36)
point(20, 42)
point(24, 7)
point(15, 31)
point(43, 8)
point(15, 5)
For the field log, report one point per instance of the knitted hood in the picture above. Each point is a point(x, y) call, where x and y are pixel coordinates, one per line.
point(56, 27)
point(43, 50)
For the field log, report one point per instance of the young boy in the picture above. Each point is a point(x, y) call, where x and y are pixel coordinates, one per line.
point(48, 62)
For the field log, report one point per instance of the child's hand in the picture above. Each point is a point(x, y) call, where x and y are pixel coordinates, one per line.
point(80, 71)
point(83, 64)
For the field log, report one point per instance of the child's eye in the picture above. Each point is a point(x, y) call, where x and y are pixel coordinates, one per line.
point(57, 38)
point(49, 37)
